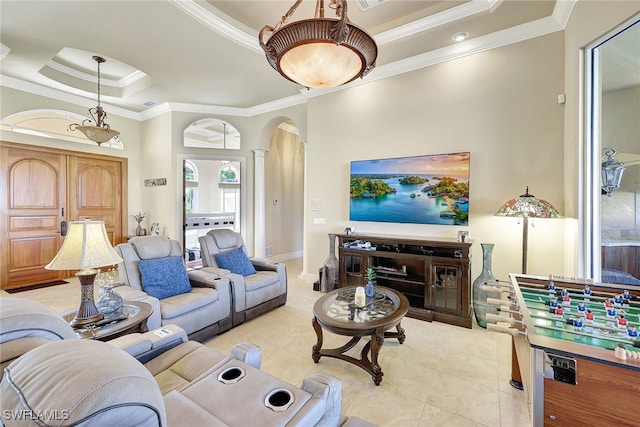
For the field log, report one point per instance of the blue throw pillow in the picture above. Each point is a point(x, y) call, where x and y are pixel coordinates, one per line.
point(164, 277)
point(235, 261)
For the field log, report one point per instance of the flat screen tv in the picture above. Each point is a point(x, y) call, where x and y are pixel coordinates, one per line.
point(429, 189)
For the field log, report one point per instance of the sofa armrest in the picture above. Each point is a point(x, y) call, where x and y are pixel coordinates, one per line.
point(248, 353)
point(265, 264)
point(278, 267)
point(329, 389)
point(146, 346)
point(130, 294)
point(204, 278)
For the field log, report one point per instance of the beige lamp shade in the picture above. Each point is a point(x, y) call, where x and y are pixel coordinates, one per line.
point(98, 134)
point(85, 246)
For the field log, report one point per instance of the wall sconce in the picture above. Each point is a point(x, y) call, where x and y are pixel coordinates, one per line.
point(612, 171)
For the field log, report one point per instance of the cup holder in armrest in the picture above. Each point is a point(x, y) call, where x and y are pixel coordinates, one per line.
point(231, 375)
point(279, 400)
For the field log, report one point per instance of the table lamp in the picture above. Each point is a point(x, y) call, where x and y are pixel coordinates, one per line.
point(85, 248)
point(525, 206)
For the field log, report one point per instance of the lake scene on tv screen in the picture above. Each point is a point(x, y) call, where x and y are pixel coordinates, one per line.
point(430, 189)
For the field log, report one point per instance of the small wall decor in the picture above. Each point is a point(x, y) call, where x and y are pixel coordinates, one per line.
point(463, 236)
point(155, 182)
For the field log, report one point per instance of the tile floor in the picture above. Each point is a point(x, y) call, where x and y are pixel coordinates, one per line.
point(442, 375)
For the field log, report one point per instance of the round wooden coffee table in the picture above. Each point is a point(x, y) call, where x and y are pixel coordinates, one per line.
point(133, 318)
point(337, 313)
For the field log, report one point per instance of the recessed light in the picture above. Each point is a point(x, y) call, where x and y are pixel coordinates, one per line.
point(460, 36)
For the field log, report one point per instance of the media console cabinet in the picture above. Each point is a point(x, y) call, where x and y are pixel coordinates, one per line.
point(434, 275)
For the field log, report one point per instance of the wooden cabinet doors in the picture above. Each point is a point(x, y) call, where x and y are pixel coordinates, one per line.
point(43, 188)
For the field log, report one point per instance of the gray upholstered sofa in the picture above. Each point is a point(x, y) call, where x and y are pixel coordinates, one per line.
point(153, 266)
point(153, 379)
point(257, 284)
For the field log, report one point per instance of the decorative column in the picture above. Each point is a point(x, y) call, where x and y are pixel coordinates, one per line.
point(259, 204)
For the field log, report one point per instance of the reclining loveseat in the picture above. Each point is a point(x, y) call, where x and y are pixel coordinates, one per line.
point(153, 379)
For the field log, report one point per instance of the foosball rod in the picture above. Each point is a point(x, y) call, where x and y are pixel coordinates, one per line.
point(564, 319)
point(593, 309)
point(582, 296)
point(570, 331)
point(497, 318)
point(511, 331)
point(500, 302)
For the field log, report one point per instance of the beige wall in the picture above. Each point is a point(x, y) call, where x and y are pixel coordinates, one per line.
point(284, 190)
point(499, 105)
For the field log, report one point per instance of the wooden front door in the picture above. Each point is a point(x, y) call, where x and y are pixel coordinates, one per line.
point(41, 190)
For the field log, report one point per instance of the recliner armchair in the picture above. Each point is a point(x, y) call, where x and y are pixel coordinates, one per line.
point(254, 293)
point(202, 309)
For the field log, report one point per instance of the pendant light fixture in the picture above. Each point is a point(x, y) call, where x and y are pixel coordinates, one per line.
point(319, 52)
point(97, 130)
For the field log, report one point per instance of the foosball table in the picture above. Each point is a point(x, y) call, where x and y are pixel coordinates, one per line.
point(576, 348)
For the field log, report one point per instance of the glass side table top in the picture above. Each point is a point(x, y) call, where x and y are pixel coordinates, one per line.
point(340, 306)
point(127, 311)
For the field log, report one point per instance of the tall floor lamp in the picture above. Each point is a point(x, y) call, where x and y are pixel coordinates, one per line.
point(524, 206)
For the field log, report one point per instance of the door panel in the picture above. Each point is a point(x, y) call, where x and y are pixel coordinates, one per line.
point(96, 193)
point(33, 200)
point(40, 188)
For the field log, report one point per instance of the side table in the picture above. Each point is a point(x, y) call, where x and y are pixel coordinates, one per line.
point(134, 319)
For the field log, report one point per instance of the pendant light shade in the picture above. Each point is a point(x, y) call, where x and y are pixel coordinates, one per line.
point(319, 52)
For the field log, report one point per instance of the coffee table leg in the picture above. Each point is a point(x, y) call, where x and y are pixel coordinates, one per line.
point(316, 348)
point(377, 340)
point(401, 335)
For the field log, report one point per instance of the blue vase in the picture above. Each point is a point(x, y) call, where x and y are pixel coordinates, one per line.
point(369, 290)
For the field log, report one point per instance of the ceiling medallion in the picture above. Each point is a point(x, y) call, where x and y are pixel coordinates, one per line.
point(319, 52)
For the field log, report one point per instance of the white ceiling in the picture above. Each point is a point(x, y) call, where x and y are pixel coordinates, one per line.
point(204, 55)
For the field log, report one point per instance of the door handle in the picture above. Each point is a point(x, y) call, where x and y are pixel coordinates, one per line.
point(63, 228)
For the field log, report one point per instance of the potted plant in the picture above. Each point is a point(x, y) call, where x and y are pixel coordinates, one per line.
point(371, 281)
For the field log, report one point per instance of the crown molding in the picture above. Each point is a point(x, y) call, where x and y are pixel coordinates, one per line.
point(456, 13)
point(556, 22)
point(219, 22)
point(60, 95)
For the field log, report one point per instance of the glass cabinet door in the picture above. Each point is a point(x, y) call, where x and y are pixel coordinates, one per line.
point(445, 286)
point(352, 270)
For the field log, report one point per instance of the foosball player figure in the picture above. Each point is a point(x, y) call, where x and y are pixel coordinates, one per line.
point(617, 300)
point(577, 323)
point(559, 312)
point(632, 332)
point(553, 304)
point(582, 309)
point(589, 316)
point(586, 292)
point(626, 296)
point(552, 289)
point(566, 298)
point(611, 312)
point(622, 322)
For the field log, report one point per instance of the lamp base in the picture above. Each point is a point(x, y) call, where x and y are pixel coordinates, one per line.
point(87, 312)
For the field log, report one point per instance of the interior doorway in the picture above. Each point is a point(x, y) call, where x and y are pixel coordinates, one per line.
point(212, 198)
